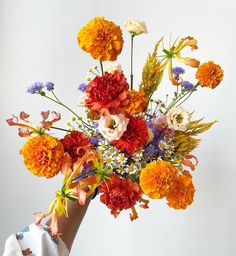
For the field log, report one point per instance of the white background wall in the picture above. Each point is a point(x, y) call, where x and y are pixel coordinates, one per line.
point(38, 42)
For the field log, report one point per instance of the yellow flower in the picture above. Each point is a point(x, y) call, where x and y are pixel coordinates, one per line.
point(137, 102)
point(182, 192)
point(43, 155)
point(102, 39)
point(156, 178)
point(209, 75)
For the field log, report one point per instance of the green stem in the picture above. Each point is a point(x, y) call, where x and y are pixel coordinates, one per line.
point(181, 96)
point(101, 65)
point(60, 103)
point(131, 64)
point(61, 129)
point(184, 99)
point(73, 112)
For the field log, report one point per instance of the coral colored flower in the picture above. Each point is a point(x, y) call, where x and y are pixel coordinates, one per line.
point(209, 75)
point(101, 38)
point(135, 136)
point(157, 178)
point(182, 192)
point(43, 155)
point(74, 143)
point(192, 62)
point(93, 114)
point(112, 127)
point(119, 193)
point(108, 94)
point(137, 102)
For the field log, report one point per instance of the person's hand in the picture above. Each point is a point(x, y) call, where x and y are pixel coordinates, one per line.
point(69, 226)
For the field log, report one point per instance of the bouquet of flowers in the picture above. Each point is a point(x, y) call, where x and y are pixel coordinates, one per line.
point(131, 147)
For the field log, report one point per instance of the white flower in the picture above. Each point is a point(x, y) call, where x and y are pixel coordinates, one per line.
point(112, 127)
point(136, 27)
point(112, 67)
point(178, 119)
point(81, 101)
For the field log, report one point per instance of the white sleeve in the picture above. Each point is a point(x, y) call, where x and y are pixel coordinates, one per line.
point(35, 240)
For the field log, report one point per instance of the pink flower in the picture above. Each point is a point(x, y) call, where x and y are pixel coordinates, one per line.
point(160, 122)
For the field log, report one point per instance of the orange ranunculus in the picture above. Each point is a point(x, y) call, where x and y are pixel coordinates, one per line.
point(137, 102)
point(43, 155)
point(157, 178)
point(209, 74)
point(102, 39)
point(182, 192)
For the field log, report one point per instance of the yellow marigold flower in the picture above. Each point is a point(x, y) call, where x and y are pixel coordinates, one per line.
point(182, 192)
point(137, 102)
point(157, 178)
point(43, 155)
point(209, 74)
point(101, 38)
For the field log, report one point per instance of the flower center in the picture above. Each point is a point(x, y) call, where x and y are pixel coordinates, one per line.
point(179, 118)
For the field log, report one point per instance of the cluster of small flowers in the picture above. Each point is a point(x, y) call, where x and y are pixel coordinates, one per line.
point(112, 156)
point(168, 147)
point(38, 86)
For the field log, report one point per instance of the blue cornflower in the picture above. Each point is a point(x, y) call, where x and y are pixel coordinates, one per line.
point(36, 87)
point(49, 86)
point(177, 71)
point(187, 85)
point(82, 87)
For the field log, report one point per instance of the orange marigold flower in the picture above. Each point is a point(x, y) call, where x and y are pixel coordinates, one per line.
point(43, 155)
point(182, 192)
point(156, 178)
point(209, 74)
point(101, 38)
point(137, 102)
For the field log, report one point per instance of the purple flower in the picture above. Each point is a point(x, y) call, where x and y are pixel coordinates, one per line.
point(82, 87)
point(153, 148)
point(94, 141)
point(187, 85)
point(85, 172)
point(160, 122)
point(150, 150)
point(36, 87)
point(177, 71)
point(49, 86)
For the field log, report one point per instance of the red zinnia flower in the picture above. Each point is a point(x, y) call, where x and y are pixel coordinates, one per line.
point(74, 143)
point(134, 137)
point(107, 93)
point(119, 193)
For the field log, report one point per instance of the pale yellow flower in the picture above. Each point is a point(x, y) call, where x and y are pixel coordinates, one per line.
point(136, 27)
